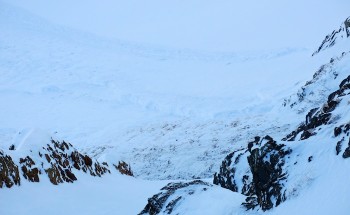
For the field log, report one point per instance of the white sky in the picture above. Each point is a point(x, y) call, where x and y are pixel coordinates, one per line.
point(220, 25)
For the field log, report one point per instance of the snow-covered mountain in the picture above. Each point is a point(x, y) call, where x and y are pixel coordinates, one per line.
point(335, 37)
point(202, 132)
point(305, 171)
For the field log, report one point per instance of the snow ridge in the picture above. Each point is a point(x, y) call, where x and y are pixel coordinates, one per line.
point(335, 37)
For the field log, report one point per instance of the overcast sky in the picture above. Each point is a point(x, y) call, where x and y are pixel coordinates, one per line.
point(220, 25)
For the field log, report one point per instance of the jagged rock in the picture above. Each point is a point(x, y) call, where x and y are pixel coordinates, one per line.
point(124, 168)
point(54, 175)
point(29, 171)
point(338, 148)
point(310, 159)
point(315, 91)
point(346, 153)
point(87, 160)
point(264, 183)
point(341, 33)
point(266, 164)
point(225, 178)
point(342, 129)
point(9, 173)
point(157, 203)
point(57, 160)
point(347, 26)
point(60, 155)
point(70, 175)
point(322, 116)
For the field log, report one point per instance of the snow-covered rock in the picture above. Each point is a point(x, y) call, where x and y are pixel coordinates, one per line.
point(342, 33)
point(257, 172)
point(36, 156)
point(9, 173)
point(270, 172)
point(325, 80)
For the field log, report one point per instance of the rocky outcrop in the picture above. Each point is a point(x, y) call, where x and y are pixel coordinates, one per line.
point(341, 33)
point(57, 160)
point(171, 195)
point(266, 164)
point(29, 170)
point(9, 173)
point(226, 178)
point(263, 177)
point(314, 92)
point(124, 168)
point(316, 118)
point(63, 159)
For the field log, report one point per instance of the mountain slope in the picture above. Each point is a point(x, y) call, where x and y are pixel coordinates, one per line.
point(335, 37)
point(306, 169)
point(173, 115)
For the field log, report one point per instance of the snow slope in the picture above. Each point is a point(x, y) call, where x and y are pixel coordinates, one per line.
point(113, 194)
point(305, 173)
point(50, 74)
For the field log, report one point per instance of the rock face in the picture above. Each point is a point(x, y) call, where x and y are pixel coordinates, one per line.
point(259, 171)
point(347, 26)
point(226, 178)
point(9, 173)
point(341, 33)
point(266, 164)
point(328, 114)
point(57, 160)
point(124, 168)
point(60, 159)
point(29, 171)
point(315, 92)
point(263, 177)
point(171, 195)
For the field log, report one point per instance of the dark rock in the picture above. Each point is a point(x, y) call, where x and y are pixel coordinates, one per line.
point(309, 115)
point(87, 160)
point(12, 147)
point(171, 205)
point(9, 173)
point(267, 173)
point(225, 178)
point(346, 153)
point(263, 186)
point(29, 170)
point(70, 175)
point(48, 158)
point(157, 203)
point(339, 146)
point(337, 131)
point(347, 26)
point(124, 168)
point(332, 38)
point(345, 81)
point(321, 116)
point(54, 175)
point(60, 157)
point(306, 134)
point(310, 159)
